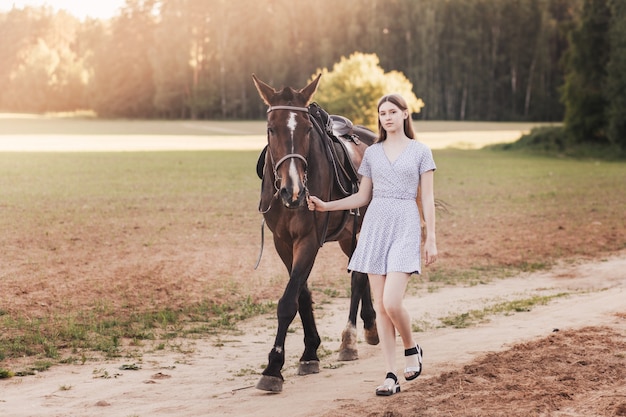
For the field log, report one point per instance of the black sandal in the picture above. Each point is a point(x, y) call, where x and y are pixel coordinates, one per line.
point(390, 386)
point(417, 350)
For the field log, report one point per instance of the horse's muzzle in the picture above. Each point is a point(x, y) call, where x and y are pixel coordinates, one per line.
point(292, 201)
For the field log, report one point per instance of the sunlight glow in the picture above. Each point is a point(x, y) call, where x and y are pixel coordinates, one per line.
point(102, 9)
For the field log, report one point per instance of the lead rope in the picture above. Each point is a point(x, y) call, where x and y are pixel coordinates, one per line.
point(269, 206)
point(262, 240)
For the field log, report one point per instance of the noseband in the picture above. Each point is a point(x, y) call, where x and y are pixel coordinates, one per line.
point(304, 109)
point(291, 155)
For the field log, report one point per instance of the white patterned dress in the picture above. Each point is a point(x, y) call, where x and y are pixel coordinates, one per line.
point(390, 236)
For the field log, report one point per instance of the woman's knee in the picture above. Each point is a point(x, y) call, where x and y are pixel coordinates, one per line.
point(392, 302)
point(394, 309)
point(379, 307)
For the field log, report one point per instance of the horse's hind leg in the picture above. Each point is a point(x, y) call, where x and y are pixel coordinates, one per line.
point(368, 314)
point(359, 294)
point(309, 362)
point(348, 350)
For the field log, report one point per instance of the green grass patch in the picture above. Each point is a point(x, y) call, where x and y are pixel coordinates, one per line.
point(38, 366)
point(473, 317)
point(246, 372)
point(467, 277)
point(43, 337)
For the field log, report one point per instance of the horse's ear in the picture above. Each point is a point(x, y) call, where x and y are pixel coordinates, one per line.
point(308, 91)
point(265, 91)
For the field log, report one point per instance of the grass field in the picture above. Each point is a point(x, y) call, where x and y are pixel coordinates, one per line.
point(111, 250)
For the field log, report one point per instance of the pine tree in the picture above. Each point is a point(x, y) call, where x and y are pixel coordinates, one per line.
point(615, 86)
point(586, 63)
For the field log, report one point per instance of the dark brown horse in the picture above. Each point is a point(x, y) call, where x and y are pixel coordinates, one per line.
point(298, 163)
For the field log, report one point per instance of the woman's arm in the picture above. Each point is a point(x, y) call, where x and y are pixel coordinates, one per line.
point(361, 198)
point(428, 206)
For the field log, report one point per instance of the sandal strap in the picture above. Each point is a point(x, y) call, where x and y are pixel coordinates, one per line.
point(411, 351)
point(393, 376)
point(416, 370)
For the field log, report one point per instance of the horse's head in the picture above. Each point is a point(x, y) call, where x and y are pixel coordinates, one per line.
point(288, 131)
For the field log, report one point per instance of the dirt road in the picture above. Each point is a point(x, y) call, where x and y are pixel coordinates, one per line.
point(215, 376)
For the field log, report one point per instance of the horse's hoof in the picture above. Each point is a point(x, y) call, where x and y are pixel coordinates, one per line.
point(348, 350)
point(348, 355)
point(371, 336)
point(309, 367)
point(270, 384)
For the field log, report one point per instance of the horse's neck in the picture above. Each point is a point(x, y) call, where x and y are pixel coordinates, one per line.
point(319, 165)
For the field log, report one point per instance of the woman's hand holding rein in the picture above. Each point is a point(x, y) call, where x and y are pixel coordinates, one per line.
point(315, 204)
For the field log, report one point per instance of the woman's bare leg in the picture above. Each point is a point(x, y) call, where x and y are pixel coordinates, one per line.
point(393, 295)
point(386, 329)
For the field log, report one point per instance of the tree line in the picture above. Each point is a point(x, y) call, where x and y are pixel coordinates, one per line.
point(183, 59)
point(594, 91)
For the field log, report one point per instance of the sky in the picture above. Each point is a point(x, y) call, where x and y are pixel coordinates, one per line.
point(99, 9)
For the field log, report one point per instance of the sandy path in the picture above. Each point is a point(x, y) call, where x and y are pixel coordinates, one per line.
point(215, 376)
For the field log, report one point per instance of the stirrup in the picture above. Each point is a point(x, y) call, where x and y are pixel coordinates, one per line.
point(416, 370)
point(390, 386)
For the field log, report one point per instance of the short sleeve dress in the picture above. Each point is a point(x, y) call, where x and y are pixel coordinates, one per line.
point(390, 236)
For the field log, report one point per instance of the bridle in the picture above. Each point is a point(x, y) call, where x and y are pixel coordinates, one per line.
point(320, 238)
point(277, 164)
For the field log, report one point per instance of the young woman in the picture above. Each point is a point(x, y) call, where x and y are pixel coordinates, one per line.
point(389, 244)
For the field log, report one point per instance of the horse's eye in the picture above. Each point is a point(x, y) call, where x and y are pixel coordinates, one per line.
point(270, 131)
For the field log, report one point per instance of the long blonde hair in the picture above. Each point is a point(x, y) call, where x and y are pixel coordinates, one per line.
point(399, 101)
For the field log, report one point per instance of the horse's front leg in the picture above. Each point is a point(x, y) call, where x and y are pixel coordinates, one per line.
point(309, 361)
point(302, 258)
